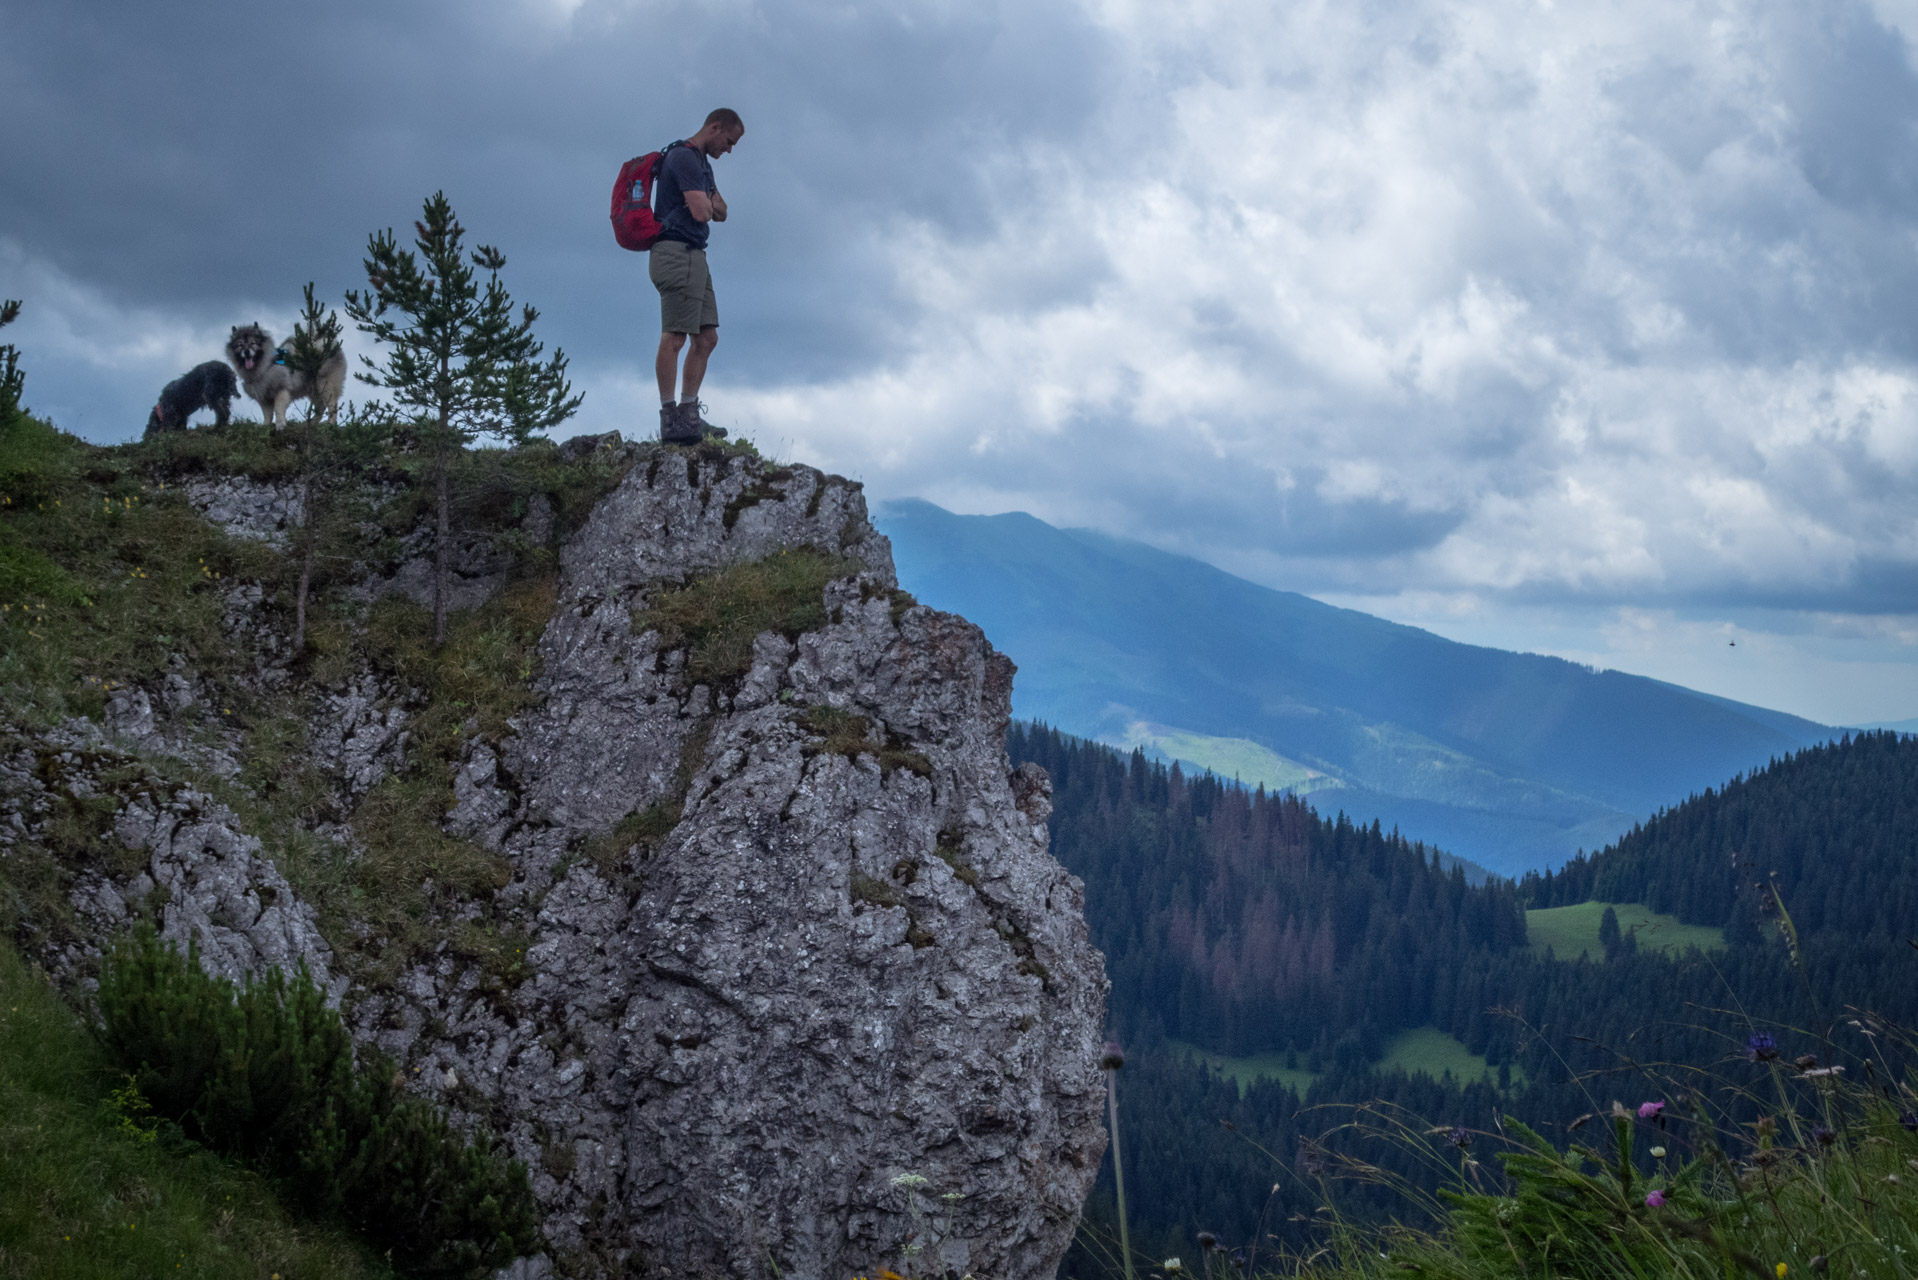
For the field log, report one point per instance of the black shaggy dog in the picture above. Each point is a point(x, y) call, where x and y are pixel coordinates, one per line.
point(207, 386)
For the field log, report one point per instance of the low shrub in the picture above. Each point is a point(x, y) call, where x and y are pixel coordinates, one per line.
point(265, 1071)
point(92, 1184)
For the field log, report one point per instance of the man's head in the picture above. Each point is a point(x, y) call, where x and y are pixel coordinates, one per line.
point(721, 132)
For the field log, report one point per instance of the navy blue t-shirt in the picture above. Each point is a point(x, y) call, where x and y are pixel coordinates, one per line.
point(682, 169)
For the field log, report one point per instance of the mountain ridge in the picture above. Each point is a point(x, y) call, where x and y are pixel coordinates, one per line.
point(1515, 761)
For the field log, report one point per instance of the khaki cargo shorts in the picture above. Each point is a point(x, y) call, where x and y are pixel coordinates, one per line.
point(686, 301)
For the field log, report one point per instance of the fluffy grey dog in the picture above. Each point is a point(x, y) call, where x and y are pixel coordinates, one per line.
point(206, 386)
point(269, 380)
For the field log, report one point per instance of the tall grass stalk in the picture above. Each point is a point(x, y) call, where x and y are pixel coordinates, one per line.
point(1112, 1061)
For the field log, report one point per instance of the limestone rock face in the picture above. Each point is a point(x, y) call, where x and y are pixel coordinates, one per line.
point(804, 992)
point(204, 879)
point(841, 967)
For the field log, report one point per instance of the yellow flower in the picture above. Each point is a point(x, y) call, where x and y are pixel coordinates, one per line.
point(1781, 1269)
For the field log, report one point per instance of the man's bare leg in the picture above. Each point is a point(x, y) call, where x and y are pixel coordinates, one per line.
point(666, 364)
point(695, 373)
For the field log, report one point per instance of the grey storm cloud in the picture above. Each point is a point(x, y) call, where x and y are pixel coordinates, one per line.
point(1614, 303)
point(188, 155)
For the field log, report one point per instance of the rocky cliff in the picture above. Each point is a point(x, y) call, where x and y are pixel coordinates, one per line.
point(692, 865)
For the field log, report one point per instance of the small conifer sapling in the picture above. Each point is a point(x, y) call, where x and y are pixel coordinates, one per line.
point(458, 356)
point(316, 339)
point(12, 381)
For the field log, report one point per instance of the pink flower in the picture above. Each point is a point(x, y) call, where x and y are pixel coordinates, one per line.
point(1656, 1200)
point(1649, 1110)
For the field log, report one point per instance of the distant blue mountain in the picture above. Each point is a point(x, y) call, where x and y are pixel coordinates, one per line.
point(1511, 760)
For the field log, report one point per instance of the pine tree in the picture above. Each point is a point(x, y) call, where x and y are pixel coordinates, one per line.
point(11, 379)
point(316, 339)
point(1608, 932)
point(459, 358)
point(266, 1071)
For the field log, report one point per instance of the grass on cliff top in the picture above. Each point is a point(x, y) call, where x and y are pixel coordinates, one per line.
point(472, 686)
point(90, 1188)
point(108, 575)
point(105, 575)
point(715, 617)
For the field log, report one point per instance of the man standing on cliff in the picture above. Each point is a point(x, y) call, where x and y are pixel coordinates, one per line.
point(687, 203)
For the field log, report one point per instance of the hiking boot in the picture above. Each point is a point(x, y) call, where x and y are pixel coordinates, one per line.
point(689, 414)
point(673, 428)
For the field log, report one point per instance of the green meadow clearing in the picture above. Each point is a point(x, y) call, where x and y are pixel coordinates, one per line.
point(1252, 764)
point(1424, 1049)
point(1573, 931)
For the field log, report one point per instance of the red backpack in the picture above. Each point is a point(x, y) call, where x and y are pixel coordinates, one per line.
point(634, 225)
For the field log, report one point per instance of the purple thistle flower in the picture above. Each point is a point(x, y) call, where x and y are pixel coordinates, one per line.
point(1656, 1200)
point(1113, 1058)
point(1761, 1047)
point(1650, 1110)
point(1909, 1121)
point(1824, 1136)
point(1460, 1137)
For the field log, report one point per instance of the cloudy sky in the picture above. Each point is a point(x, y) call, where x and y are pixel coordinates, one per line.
point(1583, 328)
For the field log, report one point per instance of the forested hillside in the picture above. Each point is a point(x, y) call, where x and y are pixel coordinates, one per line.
point(1246, 924)
point(1241, 921)
point(1831, 830)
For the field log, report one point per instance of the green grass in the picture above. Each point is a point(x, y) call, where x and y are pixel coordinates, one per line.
point(716, 617)
point(1251, 1069)
point(90, 1189)
point(1430, 1050)
point(106, 572)
point(1424, 1049)
point(1239, 758)
point(1573, 931)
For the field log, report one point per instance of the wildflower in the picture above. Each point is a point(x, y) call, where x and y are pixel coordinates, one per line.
point(1113, 1058)
point(1780, 1271)
point(1658, 1153)
point(1656, 1200)
point(910, 1181)
point(1761, 1047)
point(1171, 1266)
point(1460, 1137)
point(1650, 1110)
point(1208, 1241)
point(1819, 1263)
point(1824, 1136)
point(1910, 1121)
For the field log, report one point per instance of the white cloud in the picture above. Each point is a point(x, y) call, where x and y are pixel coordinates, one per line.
point(1607, 305)
point(1504, 262)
